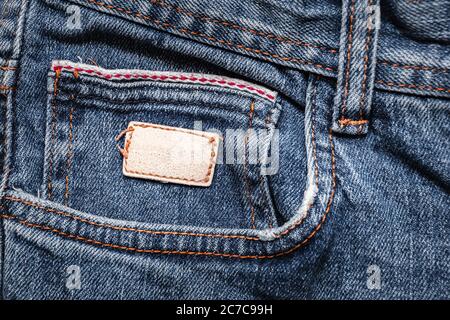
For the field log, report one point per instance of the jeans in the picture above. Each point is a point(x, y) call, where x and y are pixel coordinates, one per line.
point(331, 178)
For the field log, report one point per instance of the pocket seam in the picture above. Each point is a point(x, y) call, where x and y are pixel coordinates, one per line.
point(204, 253)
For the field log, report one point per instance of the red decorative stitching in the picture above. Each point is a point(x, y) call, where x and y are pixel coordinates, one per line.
point(161, 77)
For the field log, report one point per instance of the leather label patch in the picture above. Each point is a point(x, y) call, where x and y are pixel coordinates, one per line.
point(169, 154)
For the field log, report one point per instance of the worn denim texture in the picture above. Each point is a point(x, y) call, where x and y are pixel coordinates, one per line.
point(362, 111)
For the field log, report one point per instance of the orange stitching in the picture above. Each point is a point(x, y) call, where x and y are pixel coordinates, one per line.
point(7, 68)
point(133, 249)
point(413, 86)
point(69, 154)
point(350, 122)
point(202, 35)
point(122, 133)
point(235, 26)
point(260, 33)
point(407, 67)
point(211, 140)
point(246, 173)
point(103, 225)
point(168, 25)
point(122, 151)
point(366, 61)
point(347, 67)
point(6, 88)
point(231, 44)
point(200, 253)
point(53, 128)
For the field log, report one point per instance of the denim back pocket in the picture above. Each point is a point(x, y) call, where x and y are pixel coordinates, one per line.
point(89, 106)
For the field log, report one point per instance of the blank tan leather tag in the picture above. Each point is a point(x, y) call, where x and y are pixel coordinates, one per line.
point(170, 154)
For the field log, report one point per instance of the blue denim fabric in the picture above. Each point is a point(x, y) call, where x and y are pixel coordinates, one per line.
point(357, 207)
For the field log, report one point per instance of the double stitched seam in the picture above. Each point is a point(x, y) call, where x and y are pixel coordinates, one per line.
point(412, 67)
point(366, 62)
point(234, 26)
point(208, 37)
point(413, 86)
point(199, 253)
point(212, 141)
point(347, 65)
point(269, 36)
point(113, 227)
point(242, 47)
point(52, 133)
point(248, 189)
point(69, 155)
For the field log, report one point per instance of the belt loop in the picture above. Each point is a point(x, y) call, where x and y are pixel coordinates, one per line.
point(357, 60)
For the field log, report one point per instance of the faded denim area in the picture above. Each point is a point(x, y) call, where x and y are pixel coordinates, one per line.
point(356, 208)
